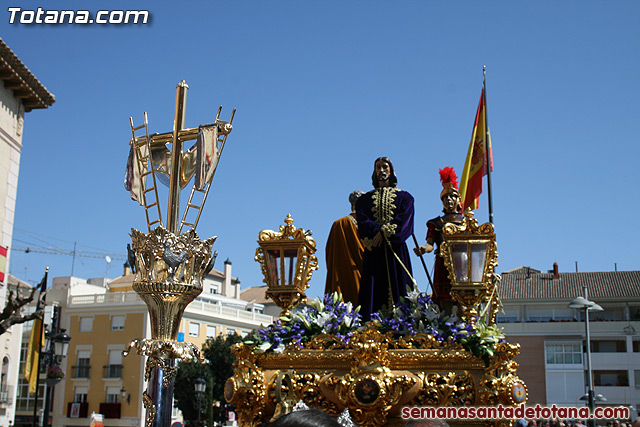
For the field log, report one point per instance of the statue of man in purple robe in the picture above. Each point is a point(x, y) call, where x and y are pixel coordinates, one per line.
point(385, 221)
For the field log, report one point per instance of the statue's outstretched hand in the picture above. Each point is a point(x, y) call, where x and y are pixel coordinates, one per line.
point(423, 249)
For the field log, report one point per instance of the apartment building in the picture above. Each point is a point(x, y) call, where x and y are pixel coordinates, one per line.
point(20, 92)
point(551, 335)
point(102, 316)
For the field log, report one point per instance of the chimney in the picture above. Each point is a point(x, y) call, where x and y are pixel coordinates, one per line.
point(237, 290)
point(556, 274)
point(226, 286)
point(127, 268)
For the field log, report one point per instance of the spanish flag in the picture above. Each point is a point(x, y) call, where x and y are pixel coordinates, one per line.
point(475, 166)
point(35, 345)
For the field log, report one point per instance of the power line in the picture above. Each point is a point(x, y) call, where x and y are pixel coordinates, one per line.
point(67, 252)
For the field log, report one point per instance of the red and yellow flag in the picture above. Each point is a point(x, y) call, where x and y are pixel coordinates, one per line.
point(475, 166)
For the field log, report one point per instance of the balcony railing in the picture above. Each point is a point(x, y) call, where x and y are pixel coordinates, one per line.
point(78, 410)
point(229, 312)
point(112, 371)
point(80, 371)
point(110, 410)
point(201, 305)
point(108, 298)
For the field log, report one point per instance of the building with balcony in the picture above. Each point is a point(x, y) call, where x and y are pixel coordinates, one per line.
point(257, 295)
point(20, 92)
point(551, 335)
point(102, 316)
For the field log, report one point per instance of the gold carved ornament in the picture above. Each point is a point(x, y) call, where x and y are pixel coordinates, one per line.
point(246, 389)
point(370, 389)
point(374, 376)
point(170, 266)
point(500, 384)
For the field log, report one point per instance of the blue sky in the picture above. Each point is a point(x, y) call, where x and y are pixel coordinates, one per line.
point(322, 88)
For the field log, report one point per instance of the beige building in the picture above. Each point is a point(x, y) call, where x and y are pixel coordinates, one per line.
point(552, 355)
point(102, 316)
point(20, 92)
point(257, 295)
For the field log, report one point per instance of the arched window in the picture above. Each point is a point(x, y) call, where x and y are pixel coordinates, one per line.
point(4, 375)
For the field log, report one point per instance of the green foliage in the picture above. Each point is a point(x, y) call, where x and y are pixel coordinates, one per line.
point(483, 342)
point(215, 371)
point(217, 352)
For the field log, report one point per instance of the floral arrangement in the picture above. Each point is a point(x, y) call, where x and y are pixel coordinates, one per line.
point(417, 314)
point(329, 316)
point(55, 373)
point(412, 315)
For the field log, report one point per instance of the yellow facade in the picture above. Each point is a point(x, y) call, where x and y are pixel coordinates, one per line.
point(101, 340)
point(102, 324)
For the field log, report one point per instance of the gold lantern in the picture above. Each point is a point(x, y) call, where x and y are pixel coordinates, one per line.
point(287, 262)
point(470, 254)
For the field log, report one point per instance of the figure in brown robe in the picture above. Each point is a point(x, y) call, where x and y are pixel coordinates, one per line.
point(344, 255)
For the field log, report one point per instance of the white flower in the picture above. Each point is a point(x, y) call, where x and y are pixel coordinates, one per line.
point(264, 346)
point(349, 307)
point(278, 349)
point(306, 323)
point(323, 320)
point(347, 321)
point(431, 314)
point(336, 298)
point(413, 296)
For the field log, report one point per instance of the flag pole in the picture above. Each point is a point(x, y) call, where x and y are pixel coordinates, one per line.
point(487, 159)
point(43, 287)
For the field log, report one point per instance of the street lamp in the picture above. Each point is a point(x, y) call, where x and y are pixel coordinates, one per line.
point(125, 396)
point(61, 343)
point(598, 397)
point(57, 345)
point(583, 303)
point(200, 385)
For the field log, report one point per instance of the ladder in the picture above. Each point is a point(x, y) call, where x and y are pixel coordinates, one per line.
point(193, 206)
point(142, 147)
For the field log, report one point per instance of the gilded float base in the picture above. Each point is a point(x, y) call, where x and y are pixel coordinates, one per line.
point(374, 377)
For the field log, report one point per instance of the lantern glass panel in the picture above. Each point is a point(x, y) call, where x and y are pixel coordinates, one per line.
point(460, 262)
point(289, 265)
point(478, 256)
point(61, 344)
point(47, 340)
point(273, 256)
point(284, 259)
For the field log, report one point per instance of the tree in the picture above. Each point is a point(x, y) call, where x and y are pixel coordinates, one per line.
point(12, 313)
point(217, 351)
point(216, 371)
point(184, 393)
